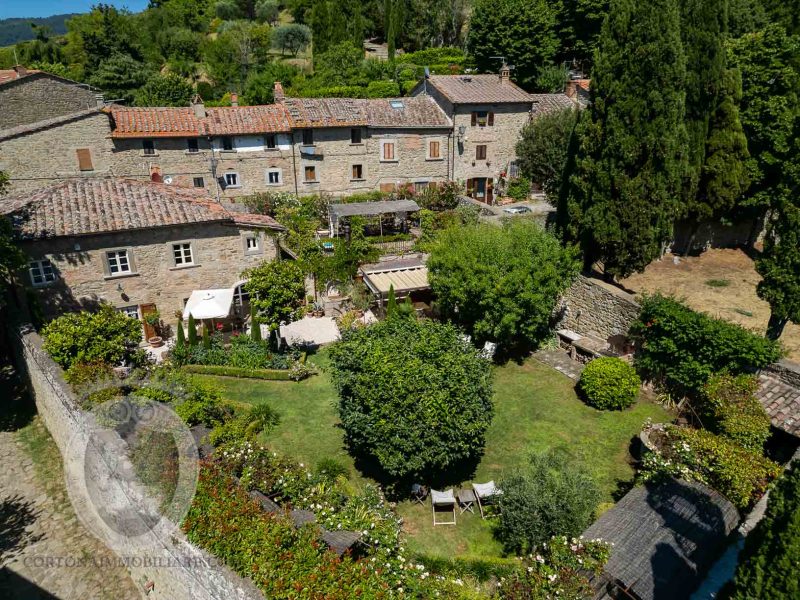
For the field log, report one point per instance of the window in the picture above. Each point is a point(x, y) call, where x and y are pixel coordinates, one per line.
point(251, 242)
point(118, 262)
point(387, 151)
point(42, 272)
point(148, 147)
point(129, 311)
point(434, 149)
point(182, 254)
point(199, 182)
point(358, 172)
point(192, 145)
point(240, 294)
point(482, 118)
point(269, 141)
point(227, 143)
point(355, 135)
point(419, 186)
point(308, 137)
point(232, 180)
point(310, 174)
point(84, 159)
point(398, 104)
point(480, 152)
point(274, 176)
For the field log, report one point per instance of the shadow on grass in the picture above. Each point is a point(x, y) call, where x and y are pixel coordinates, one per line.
point(16, 514)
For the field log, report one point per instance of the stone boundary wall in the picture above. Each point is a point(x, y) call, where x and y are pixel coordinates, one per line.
point(177, 569)
point(785, 370)
point(593, 307)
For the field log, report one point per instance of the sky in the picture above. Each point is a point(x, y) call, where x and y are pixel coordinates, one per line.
point(45, 8)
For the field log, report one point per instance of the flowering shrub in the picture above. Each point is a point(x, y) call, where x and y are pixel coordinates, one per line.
point(739, 474)
point(609, 383)
point(557, 570)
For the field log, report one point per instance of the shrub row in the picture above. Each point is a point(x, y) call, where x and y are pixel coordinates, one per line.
point(683, 348)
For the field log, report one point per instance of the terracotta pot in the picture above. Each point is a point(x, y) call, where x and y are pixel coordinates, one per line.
point(155, 341)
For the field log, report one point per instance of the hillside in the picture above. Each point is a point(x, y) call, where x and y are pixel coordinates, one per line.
point(19, 29)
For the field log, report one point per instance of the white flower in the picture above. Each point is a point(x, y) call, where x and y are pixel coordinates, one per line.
point(552, 578)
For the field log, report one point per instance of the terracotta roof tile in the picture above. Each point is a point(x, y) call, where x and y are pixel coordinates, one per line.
point(544, 103)
point(96, 205)
point(414, 111)
point(782, 403)
point(326, 112)
point(478, 89)
point(183, 122)
point(420, 111)
point(7, 75)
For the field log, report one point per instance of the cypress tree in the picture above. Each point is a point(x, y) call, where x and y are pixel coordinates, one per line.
point(255, 325)
point(621, 198)
point(391, 303)
point(391, 27)
point(320, 27)
point(768, 564)
point(192, 331)
point(206, 338)
point(180, 342)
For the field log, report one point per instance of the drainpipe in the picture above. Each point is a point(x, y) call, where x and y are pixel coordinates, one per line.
point(294, 166)
point(214, 167)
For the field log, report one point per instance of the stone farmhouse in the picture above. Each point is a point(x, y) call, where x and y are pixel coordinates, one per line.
point(452, 128)
point(135, 244)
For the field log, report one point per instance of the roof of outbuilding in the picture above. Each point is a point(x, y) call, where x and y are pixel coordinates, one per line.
point(781, 401)
point(665, 537)
point(420, 111)
point(96, 205)
point(478, 89)
point(135, 122)
point(544, 103)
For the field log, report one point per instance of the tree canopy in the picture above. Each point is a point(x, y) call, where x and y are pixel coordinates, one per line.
point(277, 290)
point(500, 283)
point(622, 196)
point(413, 395)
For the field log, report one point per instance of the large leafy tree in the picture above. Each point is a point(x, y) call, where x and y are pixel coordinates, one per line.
point(413, 395)
point(165, 90)
point(543, 149)
point(581, 21)
point(768, 564)
point(292, 37)
point(622, 196)
point(500, 283)
point(277, 290)
point(120, 76)
point(523, 31)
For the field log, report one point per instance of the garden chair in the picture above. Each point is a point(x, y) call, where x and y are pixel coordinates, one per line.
point(446, 499)
point(485, 493)
point(419, 493)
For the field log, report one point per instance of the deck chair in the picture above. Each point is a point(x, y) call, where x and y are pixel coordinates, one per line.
point(485, 493)
point(419, 493)
point(445, 498)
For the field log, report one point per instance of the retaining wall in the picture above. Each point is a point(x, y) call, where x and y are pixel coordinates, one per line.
point(593, 307)
point(177, 569)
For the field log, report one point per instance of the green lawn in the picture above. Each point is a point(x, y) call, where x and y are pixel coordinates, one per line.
point(536, 409)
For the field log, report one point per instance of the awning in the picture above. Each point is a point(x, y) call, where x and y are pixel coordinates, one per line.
point(405, 275)
point(209, 304)
point(380, 207)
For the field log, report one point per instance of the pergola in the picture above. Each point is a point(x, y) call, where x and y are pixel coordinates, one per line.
point(405, 275)
point(369, 209)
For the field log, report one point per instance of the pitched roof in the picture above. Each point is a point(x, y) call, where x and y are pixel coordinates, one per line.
point(665, 537)
point(103, 205)
point(545, 103)
point(44, 124)
point(478, 89)
point(418, 111)
point(7, 75)
point(135, 122)
point(781, 401)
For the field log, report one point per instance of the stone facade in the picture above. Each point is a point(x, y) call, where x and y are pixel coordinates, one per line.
point(593, 307)
point(219, 256)
point(39, 96)
point(39, 157)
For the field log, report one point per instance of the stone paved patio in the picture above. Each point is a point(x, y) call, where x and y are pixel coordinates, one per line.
point(560, 361)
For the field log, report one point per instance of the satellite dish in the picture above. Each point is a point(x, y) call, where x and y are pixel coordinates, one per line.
point(168, 179)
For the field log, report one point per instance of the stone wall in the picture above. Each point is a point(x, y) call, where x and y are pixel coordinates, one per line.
point(218, 251)
point(593, 307)
point(715, 234)
point(47, 156)
point(38, 97)
point(176, 568)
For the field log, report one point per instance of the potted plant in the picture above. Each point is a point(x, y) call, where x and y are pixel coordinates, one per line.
point(154, 320)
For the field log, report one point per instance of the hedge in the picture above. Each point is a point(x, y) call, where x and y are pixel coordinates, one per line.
point(683, 348)
point(270, 374)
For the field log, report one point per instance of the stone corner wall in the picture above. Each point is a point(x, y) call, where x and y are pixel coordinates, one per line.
point(593, 307)
point(177, 569)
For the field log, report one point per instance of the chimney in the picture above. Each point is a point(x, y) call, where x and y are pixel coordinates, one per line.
point(100, 101)
point(20, 70)
point(234, 99)
point(571, 90)
point(277, 92)
point(505, 73)
point(198, 107)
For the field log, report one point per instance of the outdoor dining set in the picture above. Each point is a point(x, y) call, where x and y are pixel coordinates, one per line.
point(446, 503)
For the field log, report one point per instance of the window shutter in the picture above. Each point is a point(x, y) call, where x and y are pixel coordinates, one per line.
point(387, 188)
point(84, 159)
point(474, 118)
point(490, 119)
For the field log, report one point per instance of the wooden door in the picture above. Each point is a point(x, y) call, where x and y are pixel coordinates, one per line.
point(489, 190)
point(144, 310)
point(471, 188)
